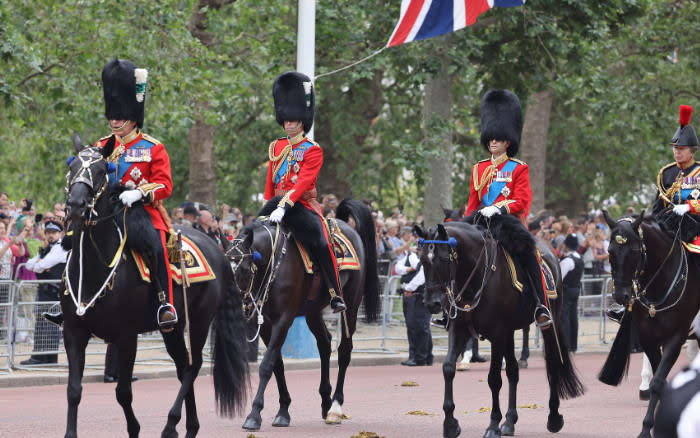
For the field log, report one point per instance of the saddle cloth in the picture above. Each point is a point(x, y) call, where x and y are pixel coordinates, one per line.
point(196, 265)
point(345, 254)
point(550, 284)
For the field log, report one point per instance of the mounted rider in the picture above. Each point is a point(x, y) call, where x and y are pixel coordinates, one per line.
point(142, 167)
point(295, 162)
point(500, 192)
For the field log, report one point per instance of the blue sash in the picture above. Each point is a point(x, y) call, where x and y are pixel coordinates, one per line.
point(297, 154)
point(496, 186)
point(123, 166)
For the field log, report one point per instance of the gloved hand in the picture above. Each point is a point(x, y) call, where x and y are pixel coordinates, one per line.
point(681, 209)
point(128, 197)
point(490, 211)
point(277, 215)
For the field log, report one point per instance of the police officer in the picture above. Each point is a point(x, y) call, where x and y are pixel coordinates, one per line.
point(48, 264)
point(295, 162)
point(571, 272)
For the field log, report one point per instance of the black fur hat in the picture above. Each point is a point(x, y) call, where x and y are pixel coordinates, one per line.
point(501, 119)
point(685, 134)
point(124, 90)
point(294, 98)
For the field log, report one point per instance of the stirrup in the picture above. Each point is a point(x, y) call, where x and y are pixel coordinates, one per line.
point(615, 314)
point(337, 304)
point(167, 325)
point(543, 320)
point(53, 318)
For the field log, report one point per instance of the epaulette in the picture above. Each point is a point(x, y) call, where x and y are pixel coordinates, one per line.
point(151, 139)
point(518, 161)
point(99, 142)
point(659, 177)
point(481, 161)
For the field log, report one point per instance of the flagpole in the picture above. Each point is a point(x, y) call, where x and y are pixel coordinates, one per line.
point(306, 41)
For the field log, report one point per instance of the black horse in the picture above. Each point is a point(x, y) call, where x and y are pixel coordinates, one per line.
point(271, 269)
point(656, 279)
point(467, 275)
point(113, 303)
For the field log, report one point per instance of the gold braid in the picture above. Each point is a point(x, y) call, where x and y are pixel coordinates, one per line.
point(486, 179)
point(675, 188)
point(278, 160)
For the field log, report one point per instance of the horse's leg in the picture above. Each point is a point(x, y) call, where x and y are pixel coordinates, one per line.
point(335, 414)
point(199, 334)
point(75, 341)
point(525, 353)
point(127, 355)
point(495, 383)
point(513, 373)
point(457, 340)
point(323, 342)
point(282, 419)
point(175, 345)
point(267, 365)
point(671, 350)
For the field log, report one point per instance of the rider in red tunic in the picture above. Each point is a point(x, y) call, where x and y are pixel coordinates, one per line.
point(295, 161)
point(142, 167)
point(500, 189)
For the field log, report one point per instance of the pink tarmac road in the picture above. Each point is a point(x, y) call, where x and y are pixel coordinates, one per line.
point(374, 399)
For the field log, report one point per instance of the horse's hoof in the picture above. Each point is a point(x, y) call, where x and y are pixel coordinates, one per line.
point(507, 429)
point(491, 433)
point(168, 434)
point(252, 423)
point(555, 423)
point(451, 429)
point(281, 421)
point(644, 394)
point(463, 366)
point(645, 434)
point(522, 363)
point(333, 418)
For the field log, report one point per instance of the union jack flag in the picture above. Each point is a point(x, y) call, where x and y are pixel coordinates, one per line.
point(423, 19)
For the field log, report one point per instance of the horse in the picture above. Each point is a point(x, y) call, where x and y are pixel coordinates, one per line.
point(112, 302)
point(651, 272)
point(270, 268)
point(457, 215)
point(462, 257)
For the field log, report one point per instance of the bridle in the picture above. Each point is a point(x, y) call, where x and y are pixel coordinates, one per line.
point(87, 158)
point(680, 277)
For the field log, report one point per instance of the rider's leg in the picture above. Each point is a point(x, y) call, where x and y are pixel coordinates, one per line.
point(167, 316)
point(532, 267)
point(326, 259)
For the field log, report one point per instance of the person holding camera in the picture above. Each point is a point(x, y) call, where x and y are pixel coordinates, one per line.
point(416, 315)
point(48, 264)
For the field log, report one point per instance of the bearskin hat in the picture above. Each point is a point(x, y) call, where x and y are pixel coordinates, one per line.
point(124, 90)
point(685, 134)
point(294, 98)
point(501, 119)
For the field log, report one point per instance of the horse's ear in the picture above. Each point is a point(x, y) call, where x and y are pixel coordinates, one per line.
point(248, 240)
point(420, 232)
point(611, 222)
point(638, 221)
point(108, 148)
point(442, 232)
point(77, 143)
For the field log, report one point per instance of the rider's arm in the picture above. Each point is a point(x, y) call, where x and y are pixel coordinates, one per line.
point(473, 202)
point(306, 178)
point(269, 183)
point(518, 201)
point(161, 184)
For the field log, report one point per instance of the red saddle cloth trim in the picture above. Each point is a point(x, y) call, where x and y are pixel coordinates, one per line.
point(197, 266)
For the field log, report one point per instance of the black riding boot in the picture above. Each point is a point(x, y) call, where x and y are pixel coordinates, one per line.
point(325, 265)
point(166, 315)
point(55, 318)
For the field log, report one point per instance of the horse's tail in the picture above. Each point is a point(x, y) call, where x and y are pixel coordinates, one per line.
point(230, 359)
point(365, 228)
point(618, 362)
point(560, 370)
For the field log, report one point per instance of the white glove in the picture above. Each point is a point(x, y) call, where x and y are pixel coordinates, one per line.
point(490, 211)
point(681, 209)
point(277, 215)
point(128, 197)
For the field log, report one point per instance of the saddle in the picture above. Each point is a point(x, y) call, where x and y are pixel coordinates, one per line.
point(516, 273)
point(345, 254)
point(196, 265)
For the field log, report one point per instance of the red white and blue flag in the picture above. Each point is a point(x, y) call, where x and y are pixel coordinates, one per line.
point(423, 19)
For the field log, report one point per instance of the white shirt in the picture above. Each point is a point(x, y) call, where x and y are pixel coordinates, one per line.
point(401, 269)
point(55, 256)
point(567, 265)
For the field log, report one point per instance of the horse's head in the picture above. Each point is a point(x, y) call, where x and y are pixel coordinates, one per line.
point(245, 258)
point(438, 260)
point(86, 179)
point(627, 255)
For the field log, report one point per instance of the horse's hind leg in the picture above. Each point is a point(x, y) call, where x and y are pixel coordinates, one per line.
point(323, 342)
point(525, 353)
point(127, 355)
point(75, 341)
point(513, 373)
point(267, 365)
point(456, 342)
point(335, 414)
point(671, 350)
point(495, 383)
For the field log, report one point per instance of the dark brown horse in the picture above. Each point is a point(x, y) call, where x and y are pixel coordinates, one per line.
point(467, 276)
point(269, 266)
point(113, 303)
point(657, 279)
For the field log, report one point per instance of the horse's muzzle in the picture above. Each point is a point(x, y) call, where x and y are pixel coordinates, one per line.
point(622, 293)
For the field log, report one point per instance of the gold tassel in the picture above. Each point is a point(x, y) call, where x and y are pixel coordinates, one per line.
point(173, 250)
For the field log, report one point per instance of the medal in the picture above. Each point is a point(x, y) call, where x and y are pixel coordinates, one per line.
point(296, 167)
point(695, 194)
point(505, 191)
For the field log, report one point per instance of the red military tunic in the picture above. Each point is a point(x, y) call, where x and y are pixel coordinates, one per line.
point(515, 195)
point(143, 163)
point(292, 172)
